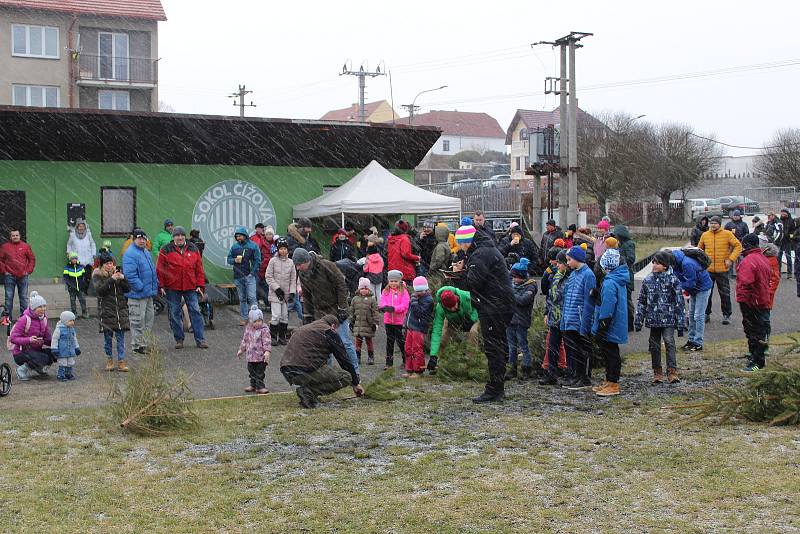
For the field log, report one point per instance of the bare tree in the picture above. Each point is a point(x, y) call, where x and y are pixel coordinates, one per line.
point(779, 161)
point(165, 107)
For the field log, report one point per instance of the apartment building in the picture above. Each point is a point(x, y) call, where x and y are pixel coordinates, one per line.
point(96, 54)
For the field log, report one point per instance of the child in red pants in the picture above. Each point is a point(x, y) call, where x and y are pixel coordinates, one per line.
point(420, 315)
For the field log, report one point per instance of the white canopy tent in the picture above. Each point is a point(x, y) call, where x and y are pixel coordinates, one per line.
point(375, 190)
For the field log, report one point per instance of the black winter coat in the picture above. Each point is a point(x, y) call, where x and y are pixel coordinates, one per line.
point(113, 305)
point(524, 295)
point(426, 245)
point(351, 274)
point(524, 249)
point(343, 250)
point(487, 278)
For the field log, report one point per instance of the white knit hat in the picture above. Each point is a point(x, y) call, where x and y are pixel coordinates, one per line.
point(36, 300)
point(255, 314)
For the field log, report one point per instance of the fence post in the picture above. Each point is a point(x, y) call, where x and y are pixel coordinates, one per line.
point(644, 213)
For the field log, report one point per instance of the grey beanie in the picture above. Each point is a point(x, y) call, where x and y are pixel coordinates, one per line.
point(394, 274)
point(178, 230)
point(255, 314)
point(300, 256)
point(36, 301)
point(67, 316)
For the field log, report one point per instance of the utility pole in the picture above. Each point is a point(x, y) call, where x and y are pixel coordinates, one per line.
point(362, 86)
point(411, 109)
point(568, 118)
point(240, 94)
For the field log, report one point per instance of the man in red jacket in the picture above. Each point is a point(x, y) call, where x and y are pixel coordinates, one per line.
point(752, 294)
point(16, 263)
point(400, 255)
point(264, 238)
point(181, 278)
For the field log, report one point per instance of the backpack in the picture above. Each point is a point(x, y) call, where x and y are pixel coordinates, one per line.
point(699, 255)
point(9, 345)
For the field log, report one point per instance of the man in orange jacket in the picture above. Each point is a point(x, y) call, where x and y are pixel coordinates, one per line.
point(723, 249)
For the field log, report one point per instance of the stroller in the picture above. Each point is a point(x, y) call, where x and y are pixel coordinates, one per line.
point(5, 369)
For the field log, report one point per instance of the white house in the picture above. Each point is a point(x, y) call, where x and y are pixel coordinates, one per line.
point(462, 130)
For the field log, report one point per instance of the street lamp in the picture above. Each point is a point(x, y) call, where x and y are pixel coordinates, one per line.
point(411, 108)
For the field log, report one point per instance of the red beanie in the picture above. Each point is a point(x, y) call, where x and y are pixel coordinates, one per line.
point(403, 225)
point(449, 299)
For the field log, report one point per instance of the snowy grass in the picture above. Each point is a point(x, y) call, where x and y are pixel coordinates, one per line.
point(546, 460)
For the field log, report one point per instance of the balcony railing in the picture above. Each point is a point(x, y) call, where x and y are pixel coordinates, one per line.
point(116, 69)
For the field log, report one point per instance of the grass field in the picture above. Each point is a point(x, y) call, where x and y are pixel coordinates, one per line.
point(545, 461)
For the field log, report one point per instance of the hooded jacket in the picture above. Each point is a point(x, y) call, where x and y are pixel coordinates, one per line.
point(180, 268)
point(698, 230)
point(720, 246)
point(162, 238)
point(739, 228)
point(324, 289)
point(251, 256)
point(364, 315)
point(17, 259)
point(113, 306)
point(525, 248)
point(578, 308)
point(310, 346)
point(400, 255)
point(74, 276)
point(487, 278)
point(524, 294)
point(613, 309)
point(64, 341)
point(660, 303)
point(21, 340)
point(256, 340)
point(295, 240)
point(753, 280)
point(464, 313)
point(627, 248)
point(771, 253)
point(282, 274)
point(137, 264)
point(555, 298)
point(420, 312)
point(342, 249)
point(83, 245)
point(691, 274)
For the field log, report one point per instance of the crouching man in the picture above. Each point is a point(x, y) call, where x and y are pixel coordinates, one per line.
point(305, 362)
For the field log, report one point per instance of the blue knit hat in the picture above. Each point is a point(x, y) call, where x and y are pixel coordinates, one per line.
point(466, 221)
point(610, 259)
point(520, 268)
point(577, 254)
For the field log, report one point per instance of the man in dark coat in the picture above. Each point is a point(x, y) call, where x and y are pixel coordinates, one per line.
point(351, 272)
point(488, 281)
point(305, 362)
point(426, 242)
point(298, 235)
point(552, 232)
point(700, 228)
point(517, 243)
point(786, 246)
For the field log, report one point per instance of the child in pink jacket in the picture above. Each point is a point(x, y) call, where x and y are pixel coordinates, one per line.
point(256, 346)
point(373, 268)
point(394, 304)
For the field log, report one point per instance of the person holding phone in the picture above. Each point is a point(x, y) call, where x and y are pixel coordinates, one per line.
point(30, 339)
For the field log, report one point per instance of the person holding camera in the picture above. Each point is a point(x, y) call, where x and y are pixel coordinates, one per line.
point(111, 286)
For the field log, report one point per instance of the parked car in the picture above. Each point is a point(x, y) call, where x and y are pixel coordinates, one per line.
point(746, 205)
point(704, 207)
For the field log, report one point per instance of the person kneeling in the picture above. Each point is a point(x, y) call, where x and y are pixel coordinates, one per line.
point(305, 362)
point(610, 325)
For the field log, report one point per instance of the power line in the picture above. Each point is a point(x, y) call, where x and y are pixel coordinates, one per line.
point(744, 147)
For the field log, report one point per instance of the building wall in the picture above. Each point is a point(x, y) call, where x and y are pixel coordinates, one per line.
point(459, 143)
point(383, 113)
point(162, 191)
point(141, 99)
point(519, 150)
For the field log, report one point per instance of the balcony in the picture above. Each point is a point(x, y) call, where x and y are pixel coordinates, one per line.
point(111, 71)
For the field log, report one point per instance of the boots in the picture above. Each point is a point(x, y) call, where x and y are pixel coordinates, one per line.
point(389, 363)
point(658, 375)
point(611, 389)
point(109, 364)
point(511, 371)
point(601, 386)
point(672, 375)
point(358, 357)
point(527, 372)
point(282, 337)
point(433, 362)
point(273, 334)
point(62, 374)
point(22, 372)
point(371, 358)
point(68, 374)
point(122, 366)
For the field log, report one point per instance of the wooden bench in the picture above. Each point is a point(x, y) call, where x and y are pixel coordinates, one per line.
point(233, 294)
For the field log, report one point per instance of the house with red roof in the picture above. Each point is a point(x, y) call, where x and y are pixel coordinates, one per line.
point(462, 130)
point(95, 54)
point(380, 111)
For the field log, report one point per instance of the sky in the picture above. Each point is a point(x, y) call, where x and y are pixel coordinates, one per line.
point(290, 55)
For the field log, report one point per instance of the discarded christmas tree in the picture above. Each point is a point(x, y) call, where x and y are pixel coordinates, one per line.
point(771, 396)
point(150, 404)
point(537, 336)
point(462, 361)
point(384, 387)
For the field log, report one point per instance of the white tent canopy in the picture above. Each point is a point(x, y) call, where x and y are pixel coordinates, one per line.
point(377, 191)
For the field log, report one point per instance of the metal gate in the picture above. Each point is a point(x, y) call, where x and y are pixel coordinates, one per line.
point(774, 199)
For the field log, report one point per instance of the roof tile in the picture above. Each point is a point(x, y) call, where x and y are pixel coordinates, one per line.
point(134, 9)
point(463, 123)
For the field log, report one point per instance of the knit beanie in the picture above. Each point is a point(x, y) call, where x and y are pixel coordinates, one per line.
point(72, 256)
point(715, 219)
point(402, 225)
point(420, 283)
point(520, 269)
point(559, 243)
point(107, 244)
point(610, 259)
point(67, 316)
point(300, 256)
point(552, 253)
point(36, 300)
point(750, 241)
point(577, 254)
point(394, 274)
point(465, 234)
point(612, 242)
point(663, 257)
point(255, 314)
point(603, 225)
point(562, 257)
point(466, 221)
point(105, 258)
point(363, 283)
point(269, 230)
point(178, 230)
point(448, 299)
point(168, 222)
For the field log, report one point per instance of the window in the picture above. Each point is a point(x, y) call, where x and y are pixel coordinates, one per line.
point(523, 134)
point(116, 100)
point(117, 210)
point(36, 95)
point(112, 59)
point(517, 163)
point(34, 41)
point(445, 145)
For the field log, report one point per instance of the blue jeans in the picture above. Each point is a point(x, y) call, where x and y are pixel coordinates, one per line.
point(175, 299)
point(22, 289)
point(297, 307)
point(108, 336)
point(517, 336)
point(246, 287)
point(697, 316)
point(347, 341)
point(785, 250)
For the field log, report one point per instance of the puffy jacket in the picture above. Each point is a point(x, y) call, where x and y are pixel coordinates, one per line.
point(771, 253)
point(180, 268)
point(555, 298)
point(281, 273)
point(256, 340)
point(420, 312)
point(548, 239)
point(400, 255)
point(17, 259)
point(398, 299)
point(660, 303)
point(578, 309)
point(613, 309)
point(21, 340)
point(364, 315)
point(627, 249)
point(342, 249)
point(84, 246)
point(137, 265)
point(752, 279)
point(162, 238)
point(525, 248)
point(74, 277)
point(251, 256)
point(487, 277)
point(64, 342)
point(524, 294)
point(324, 289)
point(465, 312)
point(113, 306)
point(720, 246)
point(296, 240)
point(691, 274)
point(373, 268)
point(739, 228)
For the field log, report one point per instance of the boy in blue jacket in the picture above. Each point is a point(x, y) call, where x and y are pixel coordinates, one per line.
point(524, 290)
point(576, 319)
point(75, 281)
point(64, 346)
point(418, 320)
point(696, 284)
point(245, 257)
point(610, 324)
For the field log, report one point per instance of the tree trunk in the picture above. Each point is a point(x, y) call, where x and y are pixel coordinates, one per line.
point(664, 207)
point(602, 202)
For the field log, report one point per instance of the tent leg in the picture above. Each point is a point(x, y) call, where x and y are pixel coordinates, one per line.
point(342, 220)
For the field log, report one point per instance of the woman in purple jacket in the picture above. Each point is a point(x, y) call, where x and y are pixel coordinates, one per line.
point(30, 339)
